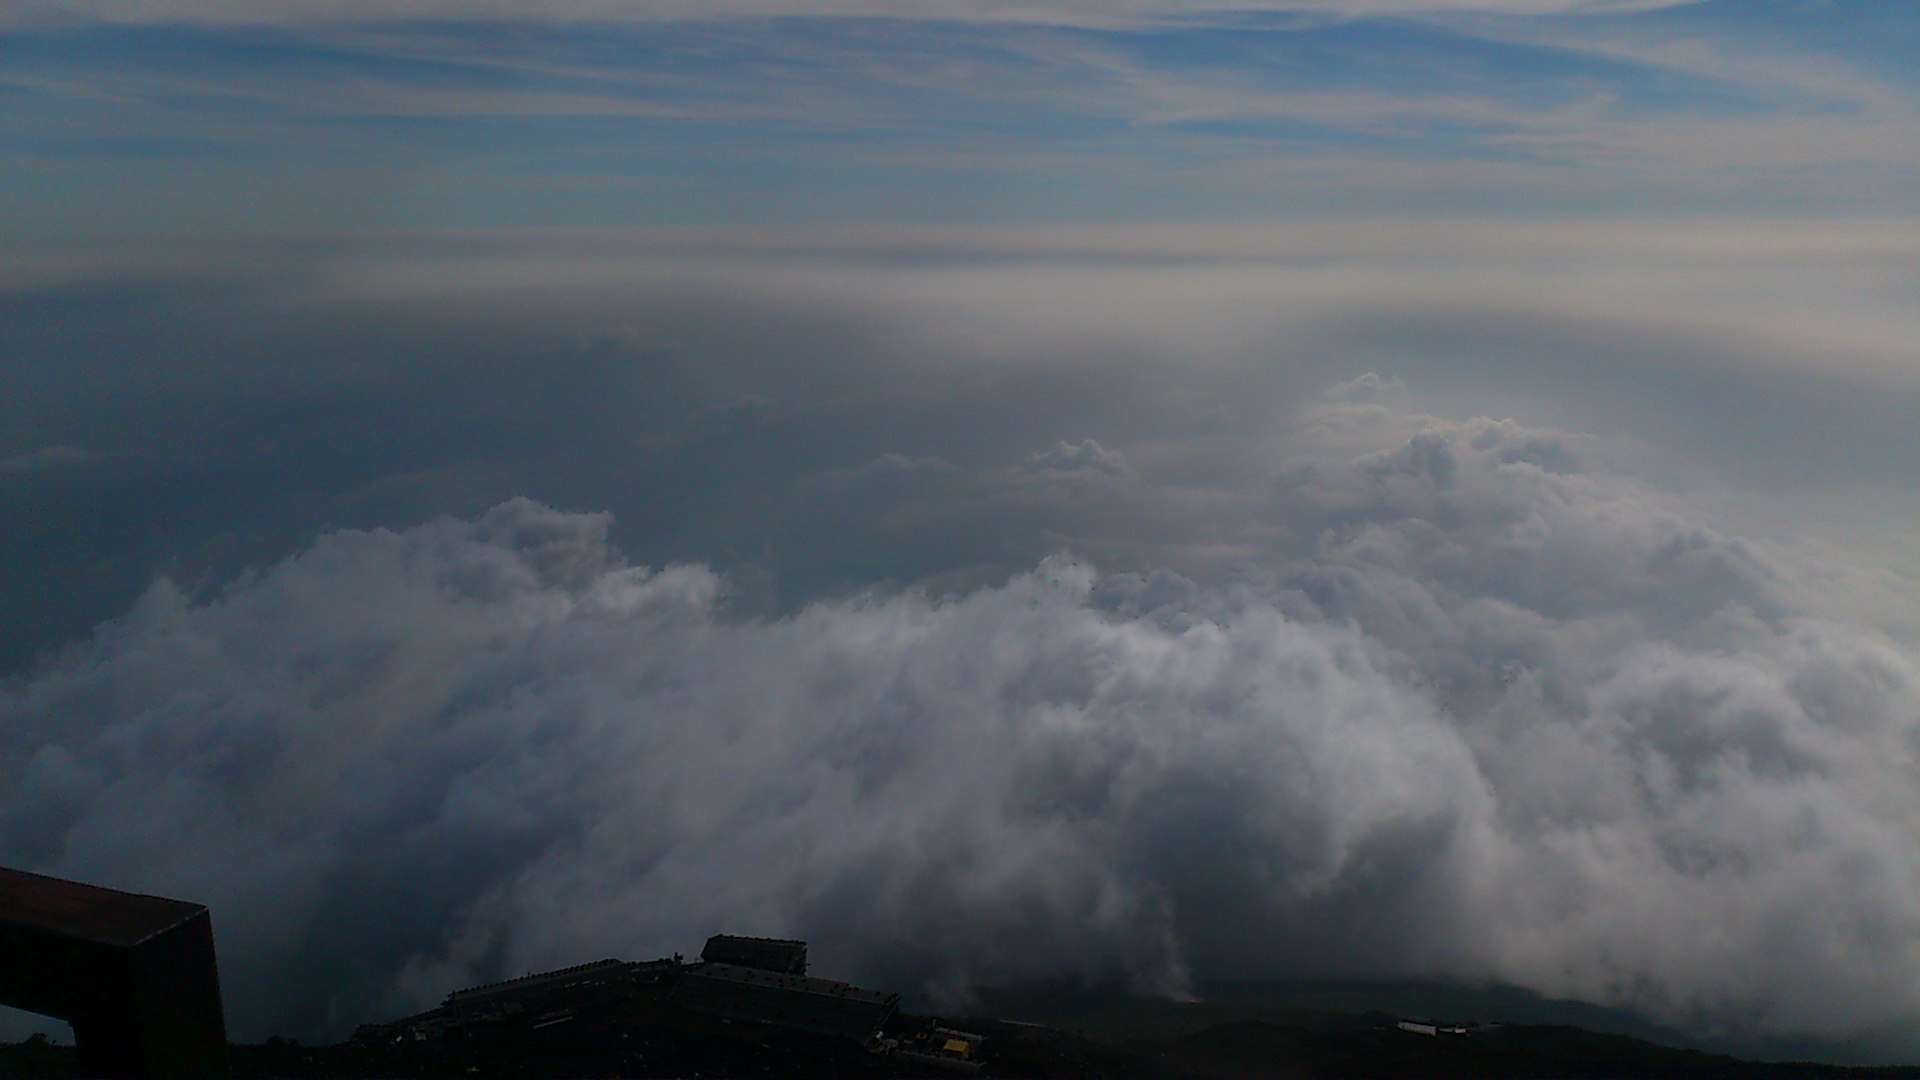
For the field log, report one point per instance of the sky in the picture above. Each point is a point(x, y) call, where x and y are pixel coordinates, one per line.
point(1154, 491)
point(181, 117)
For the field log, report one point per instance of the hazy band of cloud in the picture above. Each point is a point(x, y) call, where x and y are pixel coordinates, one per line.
point(732, 394)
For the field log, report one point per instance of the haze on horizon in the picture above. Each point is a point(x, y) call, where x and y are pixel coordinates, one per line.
point(1156, 490)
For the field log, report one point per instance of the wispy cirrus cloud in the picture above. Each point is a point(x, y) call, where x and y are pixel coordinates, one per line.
point(1044, 12)
point(785, 116)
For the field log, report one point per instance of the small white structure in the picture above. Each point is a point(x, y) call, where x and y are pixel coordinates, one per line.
point(1423, 1027)
point(1418, 1028)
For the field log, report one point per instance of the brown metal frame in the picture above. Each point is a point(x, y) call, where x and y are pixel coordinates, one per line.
point(135, 975)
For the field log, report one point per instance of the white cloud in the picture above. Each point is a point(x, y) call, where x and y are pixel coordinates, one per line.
point(1087, 455)
point(1512, 716)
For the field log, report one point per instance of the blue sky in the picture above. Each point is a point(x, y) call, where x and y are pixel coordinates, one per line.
point(263, 117)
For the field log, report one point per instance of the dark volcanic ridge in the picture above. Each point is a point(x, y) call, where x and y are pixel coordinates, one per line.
point(762, 1015)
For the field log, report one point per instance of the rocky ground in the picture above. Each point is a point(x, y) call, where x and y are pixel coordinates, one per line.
point(633, 1031)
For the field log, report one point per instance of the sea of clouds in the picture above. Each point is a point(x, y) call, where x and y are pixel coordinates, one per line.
point(1510, 718)
point(978, 616)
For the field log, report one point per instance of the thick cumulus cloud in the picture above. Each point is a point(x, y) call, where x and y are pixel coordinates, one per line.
point(1487, 708)
point(1684, 764)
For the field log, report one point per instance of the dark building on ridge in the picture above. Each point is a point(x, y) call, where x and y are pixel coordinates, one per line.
point(822, 1006)
point(780, 955)
point(526, 996)
point(757, 980)
point(496, 996)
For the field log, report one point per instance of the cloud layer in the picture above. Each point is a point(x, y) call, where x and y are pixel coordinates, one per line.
point(1499, 711)
point(735, 396)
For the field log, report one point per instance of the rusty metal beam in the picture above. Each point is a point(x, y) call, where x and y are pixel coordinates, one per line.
point(135, 975)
